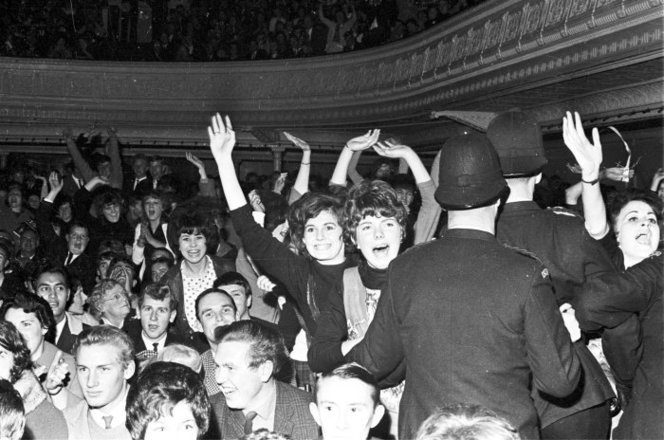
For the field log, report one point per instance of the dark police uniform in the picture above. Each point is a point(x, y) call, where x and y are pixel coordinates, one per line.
point(559, 239)
point(474, 322)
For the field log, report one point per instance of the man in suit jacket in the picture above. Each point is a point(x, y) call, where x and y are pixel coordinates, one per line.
point(473, 321)
point(141, 181)
point(52, 284)
point(157, 308)
point(248, 355)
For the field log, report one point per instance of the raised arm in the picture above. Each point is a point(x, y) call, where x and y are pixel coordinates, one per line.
point(589, 157)
point(222, 142)
point(329, 23)
point(79, 162)
point(301, 186)
point(427, 217)
point(113, 149)
point(354, 145)
point(205, 185)
point(657, 180)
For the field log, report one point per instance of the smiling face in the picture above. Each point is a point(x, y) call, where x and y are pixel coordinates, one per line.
point(323, 239)
point(637, 231)
point(178, 424)
point(240, 298)
point(379, 239)
point(215, 309)
point(101, 374)
point(345, 409)
point(241, 383)
point(111, 212)
point(192, 247)
point(52, 287)
point(156, 315)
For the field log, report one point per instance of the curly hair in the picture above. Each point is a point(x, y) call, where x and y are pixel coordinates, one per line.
point(12, 341)
point(372, 198)
point(307, 207)
point(96, 299)
point(160, 387)
point(31, 303)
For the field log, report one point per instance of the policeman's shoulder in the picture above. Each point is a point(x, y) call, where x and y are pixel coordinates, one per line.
point(524, 252)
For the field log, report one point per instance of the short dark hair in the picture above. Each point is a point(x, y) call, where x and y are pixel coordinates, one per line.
point(12, 341)
point(307, 207)
point(160, 293)
point(355, 371)
point(618, 200)
point(31, 303)
point(77, 224)
point(106, 335)
point(56, 270)
point(266, 344)
point(152, 194)
point(193, 224)
point(206, 292)
point(12, 412)
point(161, 386)
point(233, 278)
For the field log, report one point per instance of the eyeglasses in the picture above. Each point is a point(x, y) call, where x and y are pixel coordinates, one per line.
point(115, 298)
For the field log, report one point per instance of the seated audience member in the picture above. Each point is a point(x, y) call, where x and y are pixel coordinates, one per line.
point(71, 254)
point(105, 362)
point(152, 233)
point(109, 303)
point(239, 289)
point(248, 356)
point(12, 412)
point(168, 402)
point(42, 419)
point(466, 422)
point(159, 267)
point(195, 273)
point(33, 318)
point(122, 270)
point(214, 308)
point(347, 403)
point(157, 309)
point(52, 285)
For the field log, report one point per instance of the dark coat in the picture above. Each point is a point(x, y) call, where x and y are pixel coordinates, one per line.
point(475, 323)
point(173, 279)
point(558, 238)
point(291, 415)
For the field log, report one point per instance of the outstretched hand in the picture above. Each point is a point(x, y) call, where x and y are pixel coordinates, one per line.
point(391, 150)
point(55, 181)
point(297, 141)
point(194, 160)
point(588, 155)
point(222, 136)
point(365, 141)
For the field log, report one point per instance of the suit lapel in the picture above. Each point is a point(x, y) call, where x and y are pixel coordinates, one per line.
point(66, 340)
point(283, 412)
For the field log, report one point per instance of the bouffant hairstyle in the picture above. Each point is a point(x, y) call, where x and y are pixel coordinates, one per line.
point(31, 303)
point(12, 341)
point(307, 207)
point(618, 200)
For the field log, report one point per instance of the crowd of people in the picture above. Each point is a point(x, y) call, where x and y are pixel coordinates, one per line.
point(415, 303)
point(228, 30)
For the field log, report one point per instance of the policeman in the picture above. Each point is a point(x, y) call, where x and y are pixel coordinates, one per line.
point(559, 239)
point(474, 321)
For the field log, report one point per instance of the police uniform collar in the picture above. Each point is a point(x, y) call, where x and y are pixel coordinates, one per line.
point(475, 234)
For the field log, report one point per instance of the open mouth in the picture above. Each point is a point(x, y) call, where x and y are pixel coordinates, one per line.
point(643, 238)
point(381, 250)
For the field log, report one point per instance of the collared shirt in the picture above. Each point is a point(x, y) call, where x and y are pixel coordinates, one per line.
point(117, 411)
point(264, 409)
point(149, 343)
point(59, 327)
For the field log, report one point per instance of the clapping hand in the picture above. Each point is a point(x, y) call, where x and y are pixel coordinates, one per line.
point(363, 142)
point(297, 141)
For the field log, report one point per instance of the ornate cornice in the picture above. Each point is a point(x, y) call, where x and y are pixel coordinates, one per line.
point(498, 55)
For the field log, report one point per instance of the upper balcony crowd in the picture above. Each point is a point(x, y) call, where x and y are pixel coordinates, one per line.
point(205, 30)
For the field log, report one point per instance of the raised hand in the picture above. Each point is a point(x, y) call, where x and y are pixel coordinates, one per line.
point(280, 183)
point(55, 181)
point(222, 136)
point(194, 160)
point(68, 133)
point(265, 284)
point(618, 174)
point(297, 141)
point(588, 155)
point(365, 141)
point(392, 150)
point(255, 201)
